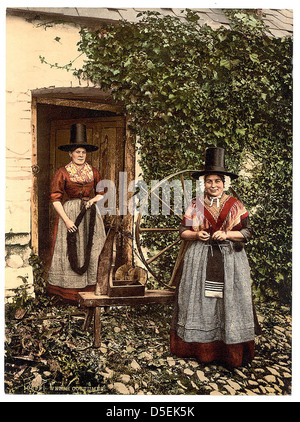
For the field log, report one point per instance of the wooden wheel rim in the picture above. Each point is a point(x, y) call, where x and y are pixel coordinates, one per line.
point(139, 230)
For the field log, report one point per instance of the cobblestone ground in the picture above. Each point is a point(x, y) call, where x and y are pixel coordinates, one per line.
point(134, 358)
point(268, 374)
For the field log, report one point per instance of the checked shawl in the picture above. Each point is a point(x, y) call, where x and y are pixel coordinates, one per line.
point(206, 215)
point(228, 216)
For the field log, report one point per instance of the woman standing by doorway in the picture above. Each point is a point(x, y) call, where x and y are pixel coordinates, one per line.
point(76, 248)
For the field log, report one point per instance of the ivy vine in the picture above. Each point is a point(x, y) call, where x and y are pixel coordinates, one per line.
point(187, 87)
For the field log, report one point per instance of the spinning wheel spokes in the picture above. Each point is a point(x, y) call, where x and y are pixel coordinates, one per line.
point(169, 231)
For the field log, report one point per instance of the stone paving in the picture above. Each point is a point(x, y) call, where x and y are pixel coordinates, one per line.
point(134, 358)
point(268, 374)
point(270, 371)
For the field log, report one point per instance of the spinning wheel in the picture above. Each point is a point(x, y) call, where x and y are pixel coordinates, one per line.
point(179, 189)
point(127, 287)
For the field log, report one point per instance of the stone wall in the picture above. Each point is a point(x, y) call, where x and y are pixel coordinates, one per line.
point(26, 41)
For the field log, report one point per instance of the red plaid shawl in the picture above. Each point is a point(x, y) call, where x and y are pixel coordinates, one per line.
point(228, 216)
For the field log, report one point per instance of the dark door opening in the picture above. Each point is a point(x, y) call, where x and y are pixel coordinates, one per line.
point(105, 129)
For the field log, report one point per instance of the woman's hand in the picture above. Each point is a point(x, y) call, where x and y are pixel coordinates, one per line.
point(61, 212)
point(70, 226)
point(219, 235)
point(89, 204)
point(203, 235)
point(92, 201)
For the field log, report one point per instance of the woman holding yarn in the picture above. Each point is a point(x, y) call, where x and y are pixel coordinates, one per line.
point(214, 318)
point(79, 233)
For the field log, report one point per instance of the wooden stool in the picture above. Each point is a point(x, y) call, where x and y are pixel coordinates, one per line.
point(115, 292)
point(94, 303)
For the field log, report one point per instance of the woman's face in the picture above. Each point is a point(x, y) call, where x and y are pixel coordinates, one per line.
point(78, 156)
point(214, 185)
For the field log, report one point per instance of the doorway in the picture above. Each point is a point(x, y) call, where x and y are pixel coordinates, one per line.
point(105, 129)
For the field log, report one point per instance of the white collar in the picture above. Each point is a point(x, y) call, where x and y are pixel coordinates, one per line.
point(213, 198)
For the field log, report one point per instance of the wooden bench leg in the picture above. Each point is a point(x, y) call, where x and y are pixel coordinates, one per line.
point(88, 318)
point(97, 327)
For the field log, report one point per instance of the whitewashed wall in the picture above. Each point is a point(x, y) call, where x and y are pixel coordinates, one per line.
point(26, 41)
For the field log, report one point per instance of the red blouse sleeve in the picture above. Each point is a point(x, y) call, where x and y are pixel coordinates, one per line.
point(57, 186)
point(99, 188)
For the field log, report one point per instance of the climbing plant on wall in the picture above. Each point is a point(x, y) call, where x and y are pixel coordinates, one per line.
point(188, 87)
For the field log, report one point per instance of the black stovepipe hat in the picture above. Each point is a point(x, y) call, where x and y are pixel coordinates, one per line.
point(78, 139)
point(215, 164)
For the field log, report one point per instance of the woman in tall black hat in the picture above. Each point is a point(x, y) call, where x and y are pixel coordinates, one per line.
point(79, 232)
point(214, 318)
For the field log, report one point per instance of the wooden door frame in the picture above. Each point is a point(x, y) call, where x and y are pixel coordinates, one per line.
point(129, 161)
point(34, 190)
